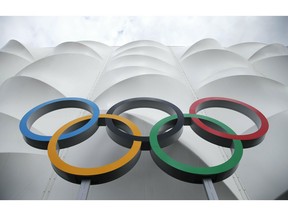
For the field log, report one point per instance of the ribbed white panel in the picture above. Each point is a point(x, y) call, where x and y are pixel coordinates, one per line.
point(205, 44)
point(10, 65)
point(16, 48)
point(247, 49)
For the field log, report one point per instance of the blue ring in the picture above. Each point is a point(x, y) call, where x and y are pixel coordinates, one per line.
point(41, 141)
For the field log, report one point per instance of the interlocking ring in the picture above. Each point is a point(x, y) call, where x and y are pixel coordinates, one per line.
point(166, 138)
point(80, 134)
point(214, 135)
point(101, 174)
point(187, 172)
point(127, 134)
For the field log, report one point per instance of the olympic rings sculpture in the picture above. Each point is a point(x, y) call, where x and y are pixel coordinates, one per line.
point(127, 134)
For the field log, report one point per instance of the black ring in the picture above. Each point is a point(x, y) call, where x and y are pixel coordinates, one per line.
point(126, 139)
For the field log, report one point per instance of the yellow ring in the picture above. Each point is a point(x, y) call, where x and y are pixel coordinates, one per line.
point(88, 172)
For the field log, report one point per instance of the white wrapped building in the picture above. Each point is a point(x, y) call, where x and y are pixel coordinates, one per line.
point(253, 72)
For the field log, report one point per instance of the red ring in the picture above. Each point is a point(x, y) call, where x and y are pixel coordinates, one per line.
point(262, 129)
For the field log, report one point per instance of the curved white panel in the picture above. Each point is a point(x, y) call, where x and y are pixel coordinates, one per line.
point(274, 68)
point(102, 49)
point(141, 43)
point(160, 54)
point(227, 73)
point(246, 49)
point(10, 65)
point(147, 86)
point(142, 61)
point(109, 79)
point(16, 48)
point(263, 169)
point(269, 51)
point(157, 86)
point(41, 53)
point(21, 179)
point(205, 44)
point(12, 139)
point(204, 64)
point(268, 96)
point(72, 74)
point(19, 95)
point(75, 47)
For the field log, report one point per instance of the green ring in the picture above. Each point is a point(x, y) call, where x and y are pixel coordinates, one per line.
point(187, 172)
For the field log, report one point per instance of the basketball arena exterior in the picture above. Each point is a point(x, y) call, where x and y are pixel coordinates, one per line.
point(254, 73)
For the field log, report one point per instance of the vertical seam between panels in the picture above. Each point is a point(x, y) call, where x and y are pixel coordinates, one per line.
point(104, 66)
point(180, 68)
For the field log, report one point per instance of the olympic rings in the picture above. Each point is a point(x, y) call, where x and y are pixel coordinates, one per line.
point(206, 132)
point(101, 174)
point(127, 134)
point(189, 173)
point(145, 102)
point(40, 141)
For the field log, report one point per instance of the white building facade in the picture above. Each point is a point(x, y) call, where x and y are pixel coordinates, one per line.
point(254, 73)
